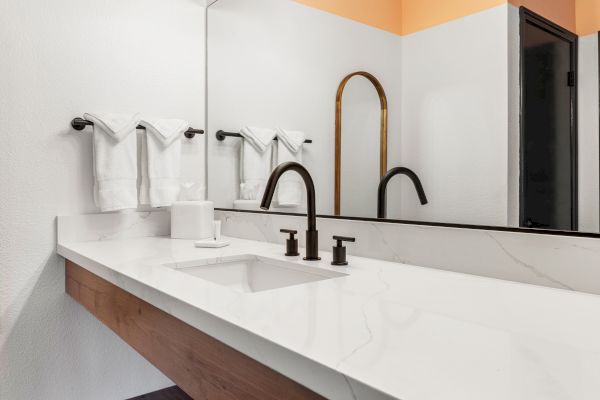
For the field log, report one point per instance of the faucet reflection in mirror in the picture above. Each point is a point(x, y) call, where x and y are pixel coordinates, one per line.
point(312, 236)
point(381, 197)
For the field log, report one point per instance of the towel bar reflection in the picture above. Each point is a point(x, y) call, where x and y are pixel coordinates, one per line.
point(221, 135)
point(79, 124)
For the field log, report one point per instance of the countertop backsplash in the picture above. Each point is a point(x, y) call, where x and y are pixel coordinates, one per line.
point(563, 262)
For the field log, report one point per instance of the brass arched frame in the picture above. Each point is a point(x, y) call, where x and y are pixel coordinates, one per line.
point(338, 132)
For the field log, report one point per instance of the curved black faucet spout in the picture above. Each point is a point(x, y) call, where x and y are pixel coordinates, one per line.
point(312, 236)
point(381, 191)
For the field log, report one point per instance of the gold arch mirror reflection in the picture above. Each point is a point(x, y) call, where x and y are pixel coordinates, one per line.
point(338, 132)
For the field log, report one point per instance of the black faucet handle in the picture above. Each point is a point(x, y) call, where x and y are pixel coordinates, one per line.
point(292, 232)
point(291, 244)
point(341, 239)
point(339, 250)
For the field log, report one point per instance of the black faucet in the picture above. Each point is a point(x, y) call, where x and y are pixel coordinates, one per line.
point(312, 236)
point(381, 202)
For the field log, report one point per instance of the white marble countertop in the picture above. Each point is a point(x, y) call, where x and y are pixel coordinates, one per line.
point(386, 330)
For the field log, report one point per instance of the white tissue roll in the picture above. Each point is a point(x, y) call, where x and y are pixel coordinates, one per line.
point(192, 220)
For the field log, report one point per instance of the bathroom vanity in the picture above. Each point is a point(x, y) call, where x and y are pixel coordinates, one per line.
point(474, 274)
point(204, 366)
point(408, 193)
point(245, 321)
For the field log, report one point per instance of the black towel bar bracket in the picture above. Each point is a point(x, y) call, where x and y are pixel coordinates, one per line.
point(79, 124)
point(221, 135)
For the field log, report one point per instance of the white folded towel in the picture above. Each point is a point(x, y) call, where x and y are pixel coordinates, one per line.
point(289, 148)
point(115, 160)
point(161, 161)
point(255, 161)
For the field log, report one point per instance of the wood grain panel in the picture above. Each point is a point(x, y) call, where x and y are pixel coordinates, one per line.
point(202, 366)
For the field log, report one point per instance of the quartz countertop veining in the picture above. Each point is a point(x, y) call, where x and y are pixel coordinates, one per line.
point(386, 330)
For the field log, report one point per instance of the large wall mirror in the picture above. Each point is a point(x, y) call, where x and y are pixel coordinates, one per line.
point(491, 110)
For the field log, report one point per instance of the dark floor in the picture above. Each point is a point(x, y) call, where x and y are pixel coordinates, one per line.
point(170, 393)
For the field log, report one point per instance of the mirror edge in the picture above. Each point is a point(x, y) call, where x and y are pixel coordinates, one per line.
point(551, 232)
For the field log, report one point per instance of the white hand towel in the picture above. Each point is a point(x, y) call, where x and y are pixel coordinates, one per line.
point(255, 161)
point(289, 148)
point(115, 160)
point(161, 161)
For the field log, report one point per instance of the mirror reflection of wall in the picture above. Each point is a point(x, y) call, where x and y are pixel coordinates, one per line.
point(451, 74)
point(274, 63)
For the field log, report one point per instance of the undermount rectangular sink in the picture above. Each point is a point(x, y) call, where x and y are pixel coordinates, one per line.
point(251, 273)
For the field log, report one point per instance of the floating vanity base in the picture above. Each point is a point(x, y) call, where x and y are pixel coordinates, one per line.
point(202, 366)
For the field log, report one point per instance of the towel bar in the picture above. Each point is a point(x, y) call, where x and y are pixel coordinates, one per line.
point(221, 135)
point(79, 124)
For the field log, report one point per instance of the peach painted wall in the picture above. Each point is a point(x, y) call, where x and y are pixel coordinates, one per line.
point(588, 17)
point(561, 12)
point(579, 16)
point(382, 14)
point(422, 14)
point(404, 17)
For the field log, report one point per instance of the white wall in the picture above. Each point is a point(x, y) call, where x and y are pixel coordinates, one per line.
point(60, 59)
point(278, 63)
point(455, 120)
point(589, 200)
